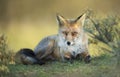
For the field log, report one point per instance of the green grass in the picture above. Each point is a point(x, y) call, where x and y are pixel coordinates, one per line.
point(102, 66)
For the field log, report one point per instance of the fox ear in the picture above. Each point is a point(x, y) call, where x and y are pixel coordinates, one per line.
point(81, 19)
point(61, 20)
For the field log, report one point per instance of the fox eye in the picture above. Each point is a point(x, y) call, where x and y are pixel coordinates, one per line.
point(65, 33)
point(74, 33)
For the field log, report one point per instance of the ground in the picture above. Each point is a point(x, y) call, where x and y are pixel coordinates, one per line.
point(102, 66)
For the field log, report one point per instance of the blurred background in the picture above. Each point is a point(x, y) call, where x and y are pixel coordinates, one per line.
point(26, 22)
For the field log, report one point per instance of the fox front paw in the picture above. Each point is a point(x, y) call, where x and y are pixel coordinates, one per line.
point(87, 59)
point(70, 60)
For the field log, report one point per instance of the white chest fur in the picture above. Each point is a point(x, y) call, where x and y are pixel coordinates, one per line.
point(77, 47)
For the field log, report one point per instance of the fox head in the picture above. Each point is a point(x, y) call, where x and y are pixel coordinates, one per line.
point(70, 29)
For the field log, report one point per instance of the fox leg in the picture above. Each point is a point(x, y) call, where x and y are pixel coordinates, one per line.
point(62, 55)
point(27, 56)
point(68, 57)
point(86, 56)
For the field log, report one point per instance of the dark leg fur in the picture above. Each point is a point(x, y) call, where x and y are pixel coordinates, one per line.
point(87, 59)
point(81, 57)
point(68, 60)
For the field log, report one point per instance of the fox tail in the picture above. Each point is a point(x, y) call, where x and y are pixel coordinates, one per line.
point(26, 56)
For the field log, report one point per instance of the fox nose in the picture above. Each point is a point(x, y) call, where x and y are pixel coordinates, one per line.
point(68, 43)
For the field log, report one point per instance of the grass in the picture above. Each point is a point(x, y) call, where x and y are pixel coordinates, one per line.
point(103, 66)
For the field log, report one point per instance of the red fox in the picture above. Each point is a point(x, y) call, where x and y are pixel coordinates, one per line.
point(71, 42)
